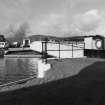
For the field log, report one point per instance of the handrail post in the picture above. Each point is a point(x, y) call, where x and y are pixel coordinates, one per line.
point(46, 52)
point(42, 52)
point(72, 49)
point(59, 50)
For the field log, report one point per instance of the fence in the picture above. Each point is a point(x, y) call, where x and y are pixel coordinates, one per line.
point(62, 49)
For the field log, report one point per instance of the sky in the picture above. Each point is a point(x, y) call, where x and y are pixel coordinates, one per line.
point(53, 17)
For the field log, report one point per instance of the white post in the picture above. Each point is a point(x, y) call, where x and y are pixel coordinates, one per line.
point(42, 68)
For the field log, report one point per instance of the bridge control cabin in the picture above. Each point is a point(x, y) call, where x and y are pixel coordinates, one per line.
point(94, 46)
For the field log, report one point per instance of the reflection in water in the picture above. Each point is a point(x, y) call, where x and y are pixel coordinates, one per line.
point(12, 69)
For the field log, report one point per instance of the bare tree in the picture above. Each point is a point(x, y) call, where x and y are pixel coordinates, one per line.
point(21, 32)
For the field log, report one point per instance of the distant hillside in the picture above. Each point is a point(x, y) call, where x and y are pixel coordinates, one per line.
point(41, 37)
point(46, 37)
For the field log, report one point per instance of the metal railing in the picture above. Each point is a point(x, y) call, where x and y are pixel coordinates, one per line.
point(80, 46)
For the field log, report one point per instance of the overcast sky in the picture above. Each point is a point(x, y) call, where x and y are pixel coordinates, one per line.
point(53, 17)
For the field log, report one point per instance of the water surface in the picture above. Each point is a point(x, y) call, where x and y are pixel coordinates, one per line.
point(12, 69)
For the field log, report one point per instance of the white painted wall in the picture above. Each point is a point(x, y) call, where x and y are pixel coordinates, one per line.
point(88, 43)
point(78, 52)
point(37, 46)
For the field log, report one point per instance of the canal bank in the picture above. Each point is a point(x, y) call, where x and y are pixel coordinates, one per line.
point(69, 81)
point(60, 69)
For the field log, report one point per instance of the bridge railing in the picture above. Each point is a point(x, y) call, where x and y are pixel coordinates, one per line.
point(61, 50)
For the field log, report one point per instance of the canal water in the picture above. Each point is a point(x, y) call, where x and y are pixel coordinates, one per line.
point(13, 69)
